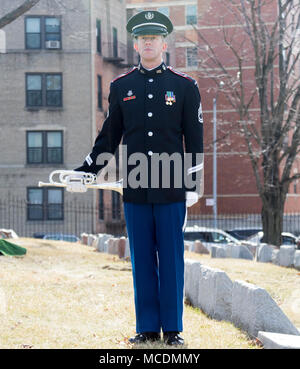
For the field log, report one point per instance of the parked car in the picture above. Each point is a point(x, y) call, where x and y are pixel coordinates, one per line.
point(243, 233)
point(61, 237)
point(209, 236)
point(287, 239)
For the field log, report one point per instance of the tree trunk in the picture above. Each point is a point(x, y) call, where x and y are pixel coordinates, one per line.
point(272, 219)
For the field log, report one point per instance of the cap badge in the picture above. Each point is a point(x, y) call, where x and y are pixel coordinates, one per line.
point(149, 16)
point(170, 98)
point(129, 93)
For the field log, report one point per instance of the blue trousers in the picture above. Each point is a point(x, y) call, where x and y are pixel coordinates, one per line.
point(155, 233)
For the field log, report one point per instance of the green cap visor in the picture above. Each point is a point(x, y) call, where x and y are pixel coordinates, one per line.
point(149, 30)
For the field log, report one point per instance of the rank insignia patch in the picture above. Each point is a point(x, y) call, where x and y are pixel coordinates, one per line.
point(170, 97)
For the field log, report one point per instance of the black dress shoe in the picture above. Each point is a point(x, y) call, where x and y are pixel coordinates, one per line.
point(145, 336)
point(173, 338)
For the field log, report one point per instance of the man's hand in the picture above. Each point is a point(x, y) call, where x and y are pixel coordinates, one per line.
point(89, 166)
point(191, 198)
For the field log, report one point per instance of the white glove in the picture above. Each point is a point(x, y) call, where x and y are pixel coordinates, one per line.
point(191, 198)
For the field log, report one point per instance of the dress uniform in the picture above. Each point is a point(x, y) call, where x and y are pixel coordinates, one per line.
point(153, 111)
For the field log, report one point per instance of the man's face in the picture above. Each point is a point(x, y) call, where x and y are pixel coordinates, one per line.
point(150, 47)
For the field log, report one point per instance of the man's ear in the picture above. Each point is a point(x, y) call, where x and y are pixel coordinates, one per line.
point(165, 46)
point(135, 46)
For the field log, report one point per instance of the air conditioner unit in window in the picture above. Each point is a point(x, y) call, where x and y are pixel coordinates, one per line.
point(52, 44)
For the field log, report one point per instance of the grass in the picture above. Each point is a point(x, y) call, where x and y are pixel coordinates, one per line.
point(65, 295)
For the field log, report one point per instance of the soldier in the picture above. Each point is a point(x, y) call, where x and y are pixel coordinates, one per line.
point(153, 107)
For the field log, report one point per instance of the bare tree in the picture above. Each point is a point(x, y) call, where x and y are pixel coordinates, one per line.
point(16, 13)
point(269, 40)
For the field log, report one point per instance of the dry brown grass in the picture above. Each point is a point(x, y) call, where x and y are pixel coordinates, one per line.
point(64, 295)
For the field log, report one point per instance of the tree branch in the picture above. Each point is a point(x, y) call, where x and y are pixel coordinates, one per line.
point(23, 8)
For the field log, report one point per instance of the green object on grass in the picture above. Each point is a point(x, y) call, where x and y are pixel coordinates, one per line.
point(8, 248)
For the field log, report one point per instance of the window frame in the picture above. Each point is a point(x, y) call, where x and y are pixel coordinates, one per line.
point(44, 147)
point(43, 32)
point(98, 36)
point(115, 205)
point(115, 43)
point(44, 91)
point(187, 57)
point(195, 15)
point(101, 204)
point(45, 204)
point(99, 92)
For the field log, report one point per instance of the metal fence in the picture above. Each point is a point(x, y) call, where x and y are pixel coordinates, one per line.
point(76, 217)
point(71, 217)
point(291, 222)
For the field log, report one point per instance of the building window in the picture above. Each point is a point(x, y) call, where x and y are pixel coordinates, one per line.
point(44, 147)
point(116, 205)
point(34, 90)
point(43, 90)
point(191, 14)
point(52, 29)
point(100, 105)
point(192, 56)
point(101, 205)
point(164, 10)
point(33, 33)
point(167, 58)
point(98, 36)
point(42, 32)
point(45, 204)
point(115, 42)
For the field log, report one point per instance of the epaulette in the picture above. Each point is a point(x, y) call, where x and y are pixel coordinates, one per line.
point(124, 74)
point(184, 75)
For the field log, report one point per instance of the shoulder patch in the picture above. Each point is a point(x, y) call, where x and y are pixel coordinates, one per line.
point(184, 75)
point(124, 74)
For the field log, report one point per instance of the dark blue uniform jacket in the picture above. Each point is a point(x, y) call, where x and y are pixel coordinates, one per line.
point(157, 111)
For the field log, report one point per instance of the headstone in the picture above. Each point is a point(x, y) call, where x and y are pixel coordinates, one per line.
point(127, 250)
point(113, 246)
point(121, 249)
point(245, 253)
point(84, 238)
point(254, 310)
point(187, 246)
point(8, 233)
point(264, 253)
point(101, 242)
point(297, 259)
point(90, 239)
point(286, 255)
point(251, 248)
point(200, 248)
point(278, 340)
point(232, 251)
point(275, 256)
point(191, 280)
point(214, 296)
point(218, 252)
